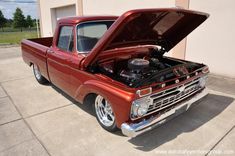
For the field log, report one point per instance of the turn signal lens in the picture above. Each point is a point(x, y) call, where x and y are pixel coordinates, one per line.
point(144, 92)
point(205, 70)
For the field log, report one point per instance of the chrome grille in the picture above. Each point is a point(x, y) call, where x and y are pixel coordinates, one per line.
point(173, 95)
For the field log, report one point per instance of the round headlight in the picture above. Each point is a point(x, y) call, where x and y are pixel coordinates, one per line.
point(142, 109)
point(140, 106)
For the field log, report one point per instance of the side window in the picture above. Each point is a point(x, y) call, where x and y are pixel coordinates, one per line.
point(65, 41)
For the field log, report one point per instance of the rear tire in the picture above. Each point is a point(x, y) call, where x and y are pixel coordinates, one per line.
point(104, 114)
point(38, 75)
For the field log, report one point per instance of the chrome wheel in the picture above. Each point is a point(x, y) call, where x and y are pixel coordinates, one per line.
point(39, 77)
point(37, 72)
point(104, 111)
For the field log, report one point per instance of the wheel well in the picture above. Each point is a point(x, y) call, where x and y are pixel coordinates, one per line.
point(89, 99)
point(88, 102)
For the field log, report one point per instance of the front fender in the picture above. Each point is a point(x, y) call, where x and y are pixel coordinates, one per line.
point(119, 99)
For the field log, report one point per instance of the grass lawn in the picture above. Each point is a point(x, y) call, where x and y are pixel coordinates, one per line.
point(16, 37)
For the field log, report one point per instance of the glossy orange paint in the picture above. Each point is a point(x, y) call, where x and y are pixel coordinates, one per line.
point(68, 70)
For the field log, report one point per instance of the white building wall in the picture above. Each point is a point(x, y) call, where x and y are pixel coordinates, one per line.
point(59, 12)
point(48, 9)
point(48, 13)
point(212, 43)
point(118, 7)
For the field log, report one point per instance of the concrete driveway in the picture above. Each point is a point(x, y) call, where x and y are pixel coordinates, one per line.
point(42, 120)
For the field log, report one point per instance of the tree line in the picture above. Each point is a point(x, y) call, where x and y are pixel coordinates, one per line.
point(18, 21)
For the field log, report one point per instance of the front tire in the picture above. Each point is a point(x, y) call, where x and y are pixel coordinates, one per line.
point(38, 75)
point(104, 114)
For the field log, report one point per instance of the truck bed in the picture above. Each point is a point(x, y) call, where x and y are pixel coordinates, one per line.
point(34, 52)
point(46, 41)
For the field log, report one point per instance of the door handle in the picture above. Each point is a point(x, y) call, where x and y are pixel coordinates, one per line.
point(50, 51)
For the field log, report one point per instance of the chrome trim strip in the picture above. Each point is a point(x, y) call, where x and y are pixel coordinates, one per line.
point(135, 129)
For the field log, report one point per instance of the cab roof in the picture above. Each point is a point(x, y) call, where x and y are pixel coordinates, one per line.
point(79, 19)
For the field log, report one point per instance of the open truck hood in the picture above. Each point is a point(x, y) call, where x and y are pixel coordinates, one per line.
point(162, 27)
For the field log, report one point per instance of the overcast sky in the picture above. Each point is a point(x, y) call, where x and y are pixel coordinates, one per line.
point(29, 7)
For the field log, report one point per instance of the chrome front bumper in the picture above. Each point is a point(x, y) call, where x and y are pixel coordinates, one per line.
point(134, 129)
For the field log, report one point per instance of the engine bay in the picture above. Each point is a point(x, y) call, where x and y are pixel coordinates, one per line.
point(145, 69)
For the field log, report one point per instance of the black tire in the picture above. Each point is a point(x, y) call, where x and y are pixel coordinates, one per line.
point(38, 75)
point(111, 128)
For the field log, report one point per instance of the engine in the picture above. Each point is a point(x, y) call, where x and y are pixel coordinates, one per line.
point(135, 70)
point(137, 65)
point(139, 68)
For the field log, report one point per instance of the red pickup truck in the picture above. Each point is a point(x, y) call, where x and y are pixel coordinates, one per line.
point(117, 65)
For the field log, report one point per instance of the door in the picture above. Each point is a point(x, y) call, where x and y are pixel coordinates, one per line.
point(59, 59)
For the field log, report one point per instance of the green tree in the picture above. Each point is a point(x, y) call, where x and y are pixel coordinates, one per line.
point(9, 23)
point(3, 20)
point(29, 21)
point(19, 19)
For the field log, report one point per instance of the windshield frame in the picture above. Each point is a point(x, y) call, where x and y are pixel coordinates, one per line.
point(87, 22)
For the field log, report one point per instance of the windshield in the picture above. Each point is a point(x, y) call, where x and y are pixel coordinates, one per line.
point(89, 33)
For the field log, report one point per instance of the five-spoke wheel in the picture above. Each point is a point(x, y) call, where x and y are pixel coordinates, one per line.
point(104, 113)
